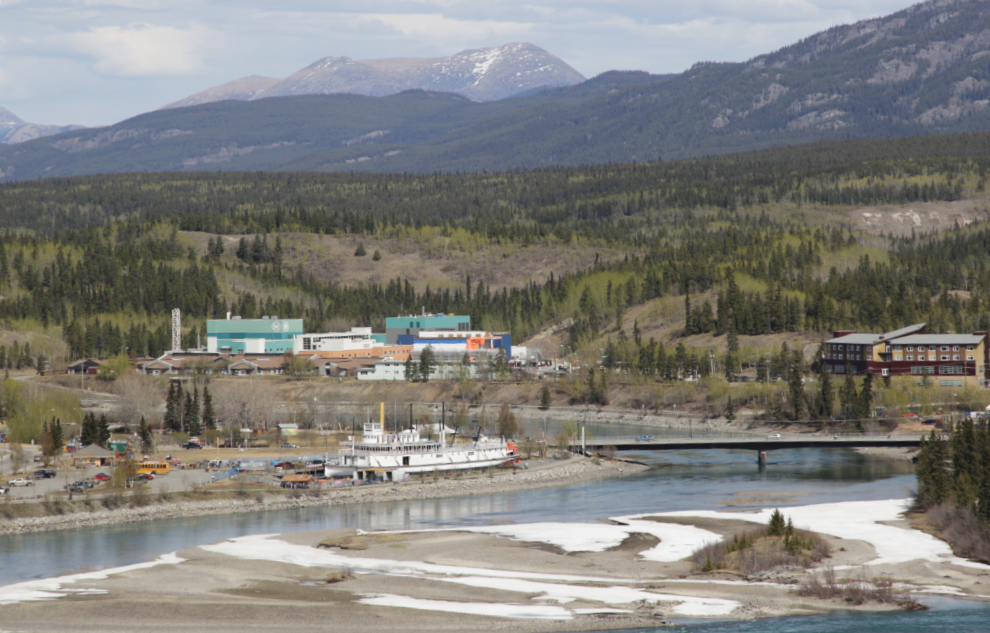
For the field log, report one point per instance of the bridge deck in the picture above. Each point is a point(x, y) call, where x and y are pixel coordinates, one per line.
point(754, 444)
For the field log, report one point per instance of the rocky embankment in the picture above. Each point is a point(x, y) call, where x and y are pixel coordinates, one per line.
point(78, 515)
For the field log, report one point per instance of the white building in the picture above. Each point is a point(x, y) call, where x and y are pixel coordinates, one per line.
point(396, 370)
point(358, 338)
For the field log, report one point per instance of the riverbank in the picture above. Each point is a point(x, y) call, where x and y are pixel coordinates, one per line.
point(629, 572)
point(226, 500)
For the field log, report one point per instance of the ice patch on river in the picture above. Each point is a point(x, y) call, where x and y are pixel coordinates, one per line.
point(52, 588)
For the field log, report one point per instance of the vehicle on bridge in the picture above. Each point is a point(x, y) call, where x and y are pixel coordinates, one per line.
point(773, 436)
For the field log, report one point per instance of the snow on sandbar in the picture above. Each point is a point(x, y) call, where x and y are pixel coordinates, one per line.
point(552, 587)
point(676, 541)
point(687, 605)
point(489, 609)
point(859, 520)
point(263, 547)
point(52, 588)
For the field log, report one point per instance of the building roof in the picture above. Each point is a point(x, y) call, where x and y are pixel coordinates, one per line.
point(265, 362)
point(355, 363)
point(857, 339)
point(92, 450)
point(904, 331)
point(86, 361)
point(300, 478)
point(864, 338)
point(941, 339)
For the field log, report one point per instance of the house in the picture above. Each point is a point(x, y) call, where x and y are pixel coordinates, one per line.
point(92, 455)
point(89, 366)
point(349, 367)
point(255, 365)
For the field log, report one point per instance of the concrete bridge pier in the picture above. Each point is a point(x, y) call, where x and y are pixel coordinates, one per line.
point(762, 459)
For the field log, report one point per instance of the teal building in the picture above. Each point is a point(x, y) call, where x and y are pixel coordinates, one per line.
point(395, 326)
point(267, 335)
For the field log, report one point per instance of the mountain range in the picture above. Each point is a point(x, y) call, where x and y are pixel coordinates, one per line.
point(15, 130)
point(923, 70)
point(484, 74)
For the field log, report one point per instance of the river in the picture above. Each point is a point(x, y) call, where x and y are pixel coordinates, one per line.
point(683, 480)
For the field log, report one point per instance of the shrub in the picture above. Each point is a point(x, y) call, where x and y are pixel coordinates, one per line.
point(377, 256)
point(961, 528)
point(360, 252)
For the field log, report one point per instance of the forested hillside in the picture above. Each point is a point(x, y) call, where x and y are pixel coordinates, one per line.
point(750, 244)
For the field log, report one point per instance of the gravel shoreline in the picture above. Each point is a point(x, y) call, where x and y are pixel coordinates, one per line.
point(574, 470)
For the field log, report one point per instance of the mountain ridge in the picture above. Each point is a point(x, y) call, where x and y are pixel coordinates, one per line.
point(923, 70)
point(483, 74)
point(15, 130)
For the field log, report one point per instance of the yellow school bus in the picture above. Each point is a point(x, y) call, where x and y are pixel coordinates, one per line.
point(155, 468)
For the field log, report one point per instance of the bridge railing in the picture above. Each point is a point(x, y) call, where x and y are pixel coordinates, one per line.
point(701, 437)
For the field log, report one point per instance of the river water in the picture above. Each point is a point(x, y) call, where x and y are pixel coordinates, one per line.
point(683, 480)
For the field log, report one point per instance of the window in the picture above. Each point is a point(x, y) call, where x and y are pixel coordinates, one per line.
point(970, 348)
point(955, 348)
point(840, 357)
point(921, 348)
point(897, 357)
point(955, 357)
point(910, 348)
point(945, 348)
point(838, 347)
point(969, 357)
point(910, 356)
point(950, 370)
point(944, 357)
point(931, 357)
point(884, 372)
point(922, 369)
point(897, 348)
point(839, 369)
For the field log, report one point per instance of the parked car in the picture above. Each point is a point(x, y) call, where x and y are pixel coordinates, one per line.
point(101, 477)
point(3, 490)
point(13, 483)
point(76, 486)
point(289, 445)
point(773, 436)
point(146, 477)
point(192, 445)
point(644, 438)
point(43, 473)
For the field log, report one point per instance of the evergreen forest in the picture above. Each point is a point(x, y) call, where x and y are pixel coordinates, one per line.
point(749, 244)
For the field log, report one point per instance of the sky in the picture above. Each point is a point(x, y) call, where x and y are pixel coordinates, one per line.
point(96, 62)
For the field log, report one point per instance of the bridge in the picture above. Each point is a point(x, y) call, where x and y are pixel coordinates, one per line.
point(761, 445)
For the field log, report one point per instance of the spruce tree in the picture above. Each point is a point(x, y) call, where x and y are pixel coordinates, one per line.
point(864, 409)
point(546, 397)
point(796, 390)
point(825, 394)
point(776, 525)
point(209, 416)
point(103, 429)
point(58, 436)
point(147, 441)
point(90, 430)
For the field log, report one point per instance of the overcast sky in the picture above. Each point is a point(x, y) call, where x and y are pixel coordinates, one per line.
point(96, 62)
